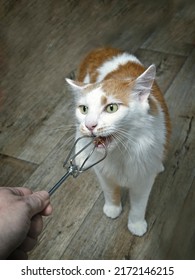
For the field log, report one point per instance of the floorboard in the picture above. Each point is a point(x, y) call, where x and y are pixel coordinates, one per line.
point(15, 172)
point(42, 43)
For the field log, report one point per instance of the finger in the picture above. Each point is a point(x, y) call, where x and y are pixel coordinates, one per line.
point(18, 255)
point(47, 211)
point(19, 191)
point(23, 191)
point(37, 202)
point(28, 244)
point(36, 226)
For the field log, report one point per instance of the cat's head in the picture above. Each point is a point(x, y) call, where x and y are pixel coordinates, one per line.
point(109, 108)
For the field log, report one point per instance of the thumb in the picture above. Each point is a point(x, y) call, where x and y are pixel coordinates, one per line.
point(37, 202)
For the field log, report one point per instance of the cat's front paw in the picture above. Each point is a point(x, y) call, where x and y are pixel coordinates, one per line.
point(137, 228)
point(112, 211)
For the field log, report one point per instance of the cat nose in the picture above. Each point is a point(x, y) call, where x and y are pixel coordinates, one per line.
point(91, 126)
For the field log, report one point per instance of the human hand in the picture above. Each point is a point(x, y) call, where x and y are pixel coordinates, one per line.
point(21, 220)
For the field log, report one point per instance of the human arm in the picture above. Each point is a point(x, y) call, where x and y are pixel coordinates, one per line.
point(21, 221)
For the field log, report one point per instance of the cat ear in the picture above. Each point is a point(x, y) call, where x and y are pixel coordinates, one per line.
point(143, 84)
point(75, 85)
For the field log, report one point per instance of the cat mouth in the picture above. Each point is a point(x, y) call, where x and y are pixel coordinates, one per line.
point(103, 141)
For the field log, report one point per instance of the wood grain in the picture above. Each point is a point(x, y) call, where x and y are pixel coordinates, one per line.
point(42, 43)
point(14, 172)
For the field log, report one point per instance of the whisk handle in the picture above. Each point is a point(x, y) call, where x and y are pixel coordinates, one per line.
point(58, 184)
point(71, 170)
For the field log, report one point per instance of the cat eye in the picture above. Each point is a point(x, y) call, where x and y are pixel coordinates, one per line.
point(83, 109)
point(112, 108)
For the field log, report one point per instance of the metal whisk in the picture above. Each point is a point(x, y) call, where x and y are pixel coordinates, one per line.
point(73, 169)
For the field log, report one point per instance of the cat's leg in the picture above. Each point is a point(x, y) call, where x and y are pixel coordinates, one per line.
point(139, 195)
point(112, 207)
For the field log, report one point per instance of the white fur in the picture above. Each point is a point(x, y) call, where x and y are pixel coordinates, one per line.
point(114, 63)
point(87, 79)
point(135, 157)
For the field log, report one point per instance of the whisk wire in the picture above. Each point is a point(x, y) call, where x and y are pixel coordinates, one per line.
point(74, 169)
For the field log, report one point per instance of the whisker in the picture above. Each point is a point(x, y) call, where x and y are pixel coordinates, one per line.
point(118, 141)
point(127, 135)
point(124, 148)
point(111, 130)
point(65, 128)
point(122, 138)
point(69, 139)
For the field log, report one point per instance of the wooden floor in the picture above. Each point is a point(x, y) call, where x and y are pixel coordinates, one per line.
point(43, 42)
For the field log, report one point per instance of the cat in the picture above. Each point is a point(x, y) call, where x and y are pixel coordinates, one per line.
point(118, 100)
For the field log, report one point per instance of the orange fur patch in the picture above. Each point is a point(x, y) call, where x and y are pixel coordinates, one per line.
point(120, 81)
point(103, 100)
point(130, 70)
point(91, 87)
point(153, 107)
point(117, 195)
point(93, 61)
point(118, 89)
point(159, 97)
point(133, 70)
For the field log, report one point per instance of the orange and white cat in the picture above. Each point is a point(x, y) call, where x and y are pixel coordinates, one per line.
point(118, 100)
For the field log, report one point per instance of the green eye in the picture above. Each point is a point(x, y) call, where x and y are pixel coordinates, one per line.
point(83, 109)
point(112, 108)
